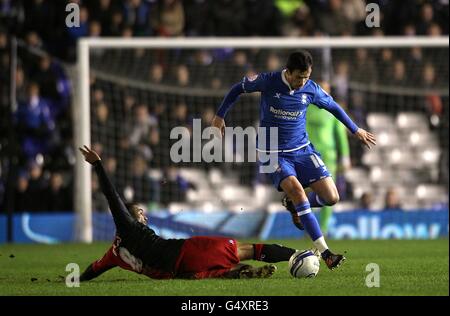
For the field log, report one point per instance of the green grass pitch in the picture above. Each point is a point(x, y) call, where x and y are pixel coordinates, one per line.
point(407, 267)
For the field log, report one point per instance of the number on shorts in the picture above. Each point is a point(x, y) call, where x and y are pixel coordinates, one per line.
point(316, 161)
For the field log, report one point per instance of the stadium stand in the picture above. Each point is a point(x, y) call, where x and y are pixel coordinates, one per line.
point(413, 143)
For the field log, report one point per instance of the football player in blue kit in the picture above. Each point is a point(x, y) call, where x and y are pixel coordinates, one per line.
point(285, 96)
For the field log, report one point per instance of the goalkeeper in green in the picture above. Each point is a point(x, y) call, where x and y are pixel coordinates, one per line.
point(329, 136)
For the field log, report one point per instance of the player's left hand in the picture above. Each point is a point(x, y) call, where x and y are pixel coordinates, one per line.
point(89, 155)
point(367, 138)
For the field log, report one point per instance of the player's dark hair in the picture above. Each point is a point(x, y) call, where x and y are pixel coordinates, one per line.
point(301, 60)
point(130, 207)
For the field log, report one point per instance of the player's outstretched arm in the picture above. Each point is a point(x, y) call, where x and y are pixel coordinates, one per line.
point(248, 84)
point(118, 209)
point(364, 136)
point(227, 103)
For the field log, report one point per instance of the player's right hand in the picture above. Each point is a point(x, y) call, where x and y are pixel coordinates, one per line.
point(219, 123)
point(89, 155)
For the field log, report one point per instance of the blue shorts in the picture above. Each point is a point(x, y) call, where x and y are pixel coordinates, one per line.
point(305, 164)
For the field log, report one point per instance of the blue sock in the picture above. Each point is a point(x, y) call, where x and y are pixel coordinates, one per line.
point(309, 221)
point(314, 200)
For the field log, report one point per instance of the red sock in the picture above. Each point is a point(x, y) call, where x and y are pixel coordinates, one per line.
point(257, 249)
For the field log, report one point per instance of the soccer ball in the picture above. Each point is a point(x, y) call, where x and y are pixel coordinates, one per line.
point(304, 264)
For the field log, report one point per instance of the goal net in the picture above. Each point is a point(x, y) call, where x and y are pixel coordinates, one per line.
point(132, 93)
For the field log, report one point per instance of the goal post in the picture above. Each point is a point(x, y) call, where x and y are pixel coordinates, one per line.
point(82, 102)
point(81, 131)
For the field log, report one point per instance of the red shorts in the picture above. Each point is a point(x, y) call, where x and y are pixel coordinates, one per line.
point(206, 257)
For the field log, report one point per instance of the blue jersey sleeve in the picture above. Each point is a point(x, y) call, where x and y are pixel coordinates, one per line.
point(321, 98)
point(247, 85)
point(229, 100)
point(325, 101)
point(254, 83)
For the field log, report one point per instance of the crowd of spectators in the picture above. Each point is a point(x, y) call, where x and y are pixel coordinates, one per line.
point(41, 115)
point(170, 18)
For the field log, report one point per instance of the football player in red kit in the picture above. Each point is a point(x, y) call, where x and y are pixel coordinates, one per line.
point(137, 247)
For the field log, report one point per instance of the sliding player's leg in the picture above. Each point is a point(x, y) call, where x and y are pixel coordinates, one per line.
point(201, 253)
point(216, 257)
point(264, 252)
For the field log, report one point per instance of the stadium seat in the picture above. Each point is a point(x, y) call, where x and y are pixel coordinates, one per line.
point(218, 179)
point(382, 175)
point(210, 207)
point(388, 139)
point(399, 157)
point(264, 194)
point(412, 121)
point(215, 176)
point(419, 139)
point(380, 122)
point(196, 176)
point(356, 175)
point(200, 195)
point(431, 192)
point(407, 177)
point(233, 193)
point(372, 158)
point(429, 155)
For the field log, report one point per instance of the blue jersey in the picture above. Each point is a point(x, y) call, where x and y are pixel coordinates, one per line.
point(284, 108)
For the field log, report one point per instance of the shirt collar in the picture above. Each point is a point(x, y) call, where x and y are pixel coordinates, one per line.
point(283, 77)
